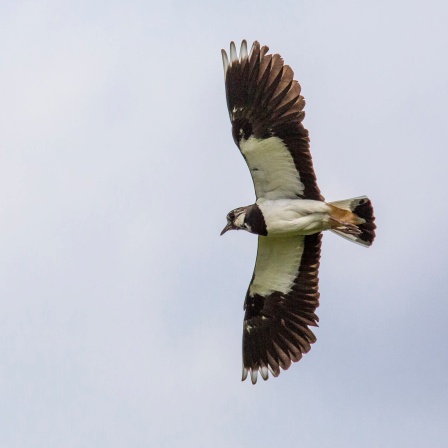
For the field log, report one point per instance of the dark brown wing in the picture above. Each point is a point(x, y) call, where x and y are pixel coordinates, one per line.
point(266, 111)
point(280, 304)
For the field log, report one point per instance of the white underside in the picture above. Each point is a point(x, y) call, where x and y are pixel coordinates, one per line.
point(272, 167)
point(288, 217)
point(280, 253)
point(277, 265)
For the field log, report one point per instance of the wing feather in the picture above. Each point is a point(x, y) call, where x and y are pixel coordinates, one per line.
point(277, 317)
point(264, 101)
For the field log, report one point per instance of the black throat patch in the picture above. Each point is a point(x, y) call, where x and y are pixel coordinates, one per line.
point(255, 219)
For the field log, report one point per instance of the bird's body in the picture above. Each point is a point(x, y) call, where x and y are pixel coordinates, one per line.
point(266, 112)
point(288, 217)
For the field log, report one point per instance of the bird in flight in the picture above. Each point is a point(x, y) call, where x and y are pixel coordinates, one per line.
point(266, 111)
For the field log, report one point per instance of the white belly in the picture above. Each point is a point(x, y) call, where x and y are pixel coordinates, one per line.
point(294, 216)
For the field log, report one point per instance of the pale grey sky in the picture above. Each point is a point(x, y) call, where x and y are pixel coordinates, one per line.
point(120, 305)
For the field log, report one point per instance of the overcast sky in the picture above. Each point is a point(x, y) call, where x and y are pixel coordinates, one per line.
point(120, 304)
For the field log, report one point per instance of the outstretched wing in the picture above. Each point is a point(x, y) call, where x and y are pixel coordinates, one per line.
point(266, 111)
point(280, 304)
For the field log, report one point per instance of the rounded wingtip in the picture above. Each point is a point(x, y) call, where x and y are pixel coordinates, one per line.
point(243, 49)
point(225, 61)
point(264, 372)
point(232, 56)
point(254, 375)
point(233, 53)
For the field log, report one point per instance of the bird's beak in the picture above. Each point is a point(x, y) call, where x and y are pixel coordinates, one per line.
point(229, 226)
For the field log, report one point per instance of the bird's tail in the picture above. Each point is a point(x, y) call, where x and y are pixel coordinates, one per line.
point(353, 219)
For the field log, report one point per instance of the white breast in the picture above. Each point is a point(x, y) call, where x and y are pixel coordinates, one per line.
point(285, 217)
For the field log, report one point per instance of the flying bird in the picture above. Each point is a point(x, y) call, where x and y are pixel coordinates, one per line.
point(266, 111)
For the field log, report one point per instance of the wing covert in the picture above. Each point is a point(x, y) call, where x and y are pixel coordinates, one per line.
point(266, 112)
point(280, 304)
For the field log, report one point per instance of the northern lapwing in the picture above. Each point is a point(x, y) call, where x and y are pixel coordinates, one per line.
point(266, 111)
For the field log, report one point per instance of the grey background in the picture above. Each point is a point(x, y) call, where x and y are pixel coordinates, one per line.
point(120, 305)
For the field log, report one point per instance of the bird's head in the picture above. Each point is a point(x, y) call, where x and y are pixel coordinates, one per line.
point(236, 220)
